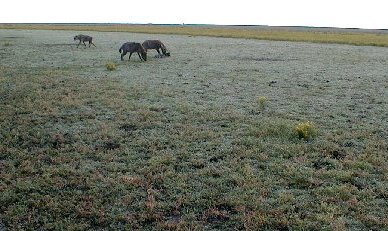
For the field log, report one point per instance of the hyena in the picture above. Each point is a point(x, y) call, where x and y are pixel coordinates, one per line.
point(156, 44)
point(132, 47)
point(84, 38)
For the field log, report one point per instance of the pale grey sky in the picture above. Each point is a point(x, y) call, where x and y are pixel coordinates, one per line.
point(370, 14)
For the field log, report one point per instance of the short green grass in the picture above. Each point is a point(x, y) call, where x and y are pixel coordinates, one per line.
point(83, 148)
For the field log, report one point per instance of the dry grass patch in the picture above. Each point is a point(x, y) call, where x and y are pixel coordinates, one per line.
point(352, 38)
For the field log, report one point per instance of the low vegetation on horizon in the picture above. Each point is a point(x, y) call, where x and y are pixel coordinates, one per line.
point(277, 34)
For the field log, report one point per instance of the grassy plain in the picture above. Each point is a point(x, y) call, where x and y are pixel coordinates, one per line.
point(203, 140)
point(316, 35)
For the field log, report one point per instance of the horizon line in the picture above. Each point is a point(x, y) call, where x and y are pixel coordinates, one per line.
point(197, 24)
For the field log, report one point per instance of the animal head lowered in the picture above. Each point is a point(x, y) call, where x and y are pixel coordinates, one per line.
point(142, 51)
point(164, 51)
point(156, 45)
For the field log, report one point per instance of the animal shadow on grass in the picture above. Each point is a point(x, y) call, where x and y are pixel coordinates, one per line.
point(13, 37)
point(57, 44)
point(128, 128)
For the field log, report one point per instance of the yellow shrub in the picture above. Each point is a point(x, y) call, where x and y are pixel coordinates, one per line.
point(306, 130)
point(111, 66)
point(262, 102)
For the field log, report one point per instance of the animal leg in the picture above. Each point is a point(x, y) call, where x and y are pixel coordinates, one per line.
point(130, 54)
point(92, 43)
point(79, 43)
point(140, 56)
point(122, 55)
point(160, 55)
point(84, 43)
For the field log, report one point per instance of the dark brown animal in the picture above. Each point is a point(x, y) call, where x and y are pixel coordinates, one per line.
point(156, 44)
point(84, 38)
point(132, 47)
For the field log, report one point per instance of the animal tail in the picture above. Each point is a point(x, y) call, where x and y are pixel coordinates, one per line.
point(120, 50)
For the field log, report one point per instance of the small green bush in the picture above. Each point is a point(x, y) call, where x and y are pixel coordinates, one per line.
point(306, 130)
point(262, 102)
point(111, 66)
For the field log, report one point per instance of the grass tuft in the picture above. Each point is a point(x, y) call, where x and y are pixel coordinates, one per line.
point(111, 66)
point(7, 44)
point(306, 130)
point(263, 101)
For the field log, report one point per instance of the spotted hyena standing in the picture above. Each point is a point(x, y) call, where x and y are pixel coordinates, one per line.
point(84, 38)
point(133, 47)
point(156, 44)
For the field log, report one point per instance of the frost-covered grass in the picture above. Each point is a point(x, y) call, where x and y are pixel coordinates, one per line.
point(202, 140)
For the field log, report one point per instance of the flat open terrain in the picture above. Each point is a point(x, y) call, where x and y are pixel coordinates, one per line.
point(202, 140)
point(359, 37)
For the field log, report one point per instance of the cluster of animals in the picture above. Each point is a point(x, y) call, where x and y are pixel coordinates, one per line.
point(131, 47)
